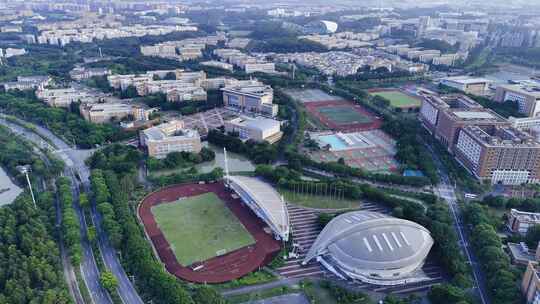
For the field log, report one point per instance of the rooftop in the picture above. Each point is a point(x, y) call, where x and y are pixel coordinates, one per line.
point(466, 79)
point(525, 216)
point(259, 123)
point(371, 240)
point(502, 136)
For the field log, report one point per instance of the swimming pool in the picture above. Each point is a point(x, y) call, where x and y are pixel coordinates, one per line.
point(335, 142)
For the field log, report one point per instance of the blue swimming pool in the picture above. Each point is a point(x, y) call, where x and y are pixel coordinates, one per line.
point(335, 142)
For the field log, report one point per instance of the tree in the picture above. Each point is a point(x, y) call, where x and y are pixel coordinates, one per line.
point(208, 295)
point(108, 281)
point(446, 293)
point(533, 236)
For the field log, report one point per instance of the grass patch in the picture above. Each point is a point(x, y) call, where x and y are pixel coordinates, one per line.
point(318, 294)
point(398, 99)
point(343, 115)
point(263, 294)
point(253, 278)
point(318, 201)
point(199, 227)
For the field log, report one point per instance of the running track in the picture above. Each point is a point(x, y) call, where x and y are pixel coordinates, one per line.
point(230, 266)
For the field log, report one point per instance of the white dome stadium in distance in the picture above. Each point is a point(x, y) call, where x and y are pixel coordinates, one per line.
point(321, 27)
point(372, 247)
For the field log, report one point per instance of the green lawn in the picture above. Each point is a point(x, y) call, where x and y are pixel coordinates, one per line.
point(200, 226)
point(398, 99)
point(318, 201)
point(342, 115)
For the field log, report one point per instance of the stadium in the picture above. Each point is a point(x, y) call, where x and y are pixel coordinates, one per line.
point(215, 232)
point(373, 248)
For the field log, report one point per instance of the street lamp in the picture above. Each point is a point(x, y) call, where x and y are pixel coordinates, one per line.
point(24, 170)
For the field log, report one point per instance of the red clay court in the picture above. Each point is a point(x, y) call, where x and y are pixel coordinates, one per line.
point(342, 115)
point(230, 266)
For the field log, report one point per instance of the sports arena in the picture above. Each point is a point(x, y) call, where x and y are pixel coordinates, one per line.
point(372, 247)
point(242, 224)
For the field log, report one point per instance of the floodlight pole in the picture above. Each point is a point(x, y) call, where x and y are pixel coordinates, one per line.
point(24, 170)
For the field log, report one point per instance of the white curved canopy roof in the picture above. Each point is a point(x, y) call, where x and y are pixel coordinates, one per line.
point(372, 241)
point(268, 200)
point(331, 26)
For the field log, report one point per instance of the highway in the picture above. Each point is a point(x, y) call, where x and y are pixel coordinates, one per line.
point(446, 190)
point(74, 160)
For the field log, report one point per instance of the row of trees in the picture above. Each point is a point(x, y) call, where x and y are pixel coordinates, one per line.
point(65, 124)
point(258, 152)
point(501, 277)
point(523, 204)
point(298, 161)
point(71, 228)
point(180, 159)
point(102, 199)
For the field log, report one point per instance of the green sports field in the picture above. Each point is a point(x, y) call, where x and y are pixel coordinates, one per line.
point(199, 227)
point(398, 99)
point(343, 115)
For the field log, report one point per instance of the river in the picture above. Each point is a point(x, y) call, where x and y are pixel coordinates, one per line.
point(7, 197)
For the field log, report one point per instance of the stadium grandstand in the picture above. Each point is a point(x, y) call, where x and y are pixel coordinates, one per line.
point(373, 248)
point(264, 201)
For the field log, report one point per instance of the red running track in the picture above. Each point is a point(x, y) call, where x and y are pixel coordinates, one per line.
point(230, 266)
point(312, 108)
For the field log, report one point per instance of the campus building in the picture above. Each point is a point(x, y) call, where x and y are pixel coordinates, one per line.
point(83, 73)
point(170, 137)
point(372, 247)
point(526, 95)
point(499, 154)
point(108, 112)
point(64, 97)
point(255, 128)
point(27, 83)
point(469, 85)
point(521, 221)
point(445, 116)
point(254, 97)
point(530, 285)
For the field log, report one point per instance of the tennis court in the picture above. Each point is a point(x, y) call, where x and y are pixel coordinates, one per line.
point(343, 115)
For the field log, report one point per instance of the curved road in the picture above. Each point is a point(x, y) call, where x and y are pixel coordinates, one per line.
point(74, 160)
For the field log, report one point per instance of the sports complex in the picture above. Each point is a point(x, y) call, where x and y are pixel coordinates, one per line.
point(215, 232)
point(335, 113)
point(372, 247)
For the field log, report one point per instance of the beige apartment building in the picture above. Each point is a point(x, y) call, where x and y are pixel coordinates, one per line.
point(170, 137)
point(530, 285)
point(445, 116)
point(521, 221)
point(499, 154)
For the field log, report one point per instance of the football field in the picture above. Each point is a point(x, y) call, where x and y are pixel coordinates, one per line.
point(200, 227)
point(398, 99)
